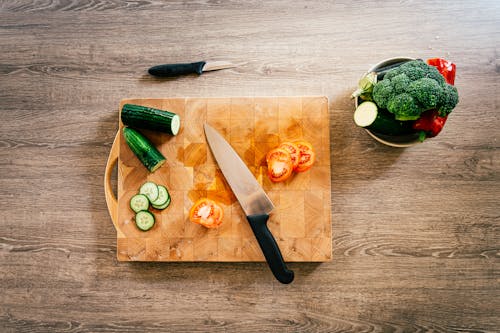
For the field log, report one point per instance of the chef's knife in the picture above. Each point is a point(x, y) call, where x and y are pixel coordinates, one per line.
point(252, 198)
point(171, 70)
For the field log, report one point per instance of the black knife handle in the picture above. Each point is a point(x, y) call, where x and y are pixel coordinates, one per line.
point(171, 70)
point(270, 248)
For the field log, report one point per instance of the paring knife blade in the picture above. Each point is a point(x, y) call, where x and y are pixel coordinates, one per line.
point(252, 198)
point(172, 70)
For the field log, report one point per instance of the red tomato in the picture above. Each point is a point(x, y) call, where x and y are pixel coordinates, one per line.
point(293, 150)
point(307, 156)
point(279, 164)
point(207, 213)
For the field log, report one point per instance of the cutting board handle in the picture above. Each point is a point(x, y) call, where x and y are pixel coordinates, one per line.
point(110, 196)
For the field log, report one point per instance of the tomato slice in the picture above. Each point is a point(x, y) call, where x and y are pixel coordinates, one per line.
point(293, 150)
point(279, 164)
point(207, 213)
point(307, 156)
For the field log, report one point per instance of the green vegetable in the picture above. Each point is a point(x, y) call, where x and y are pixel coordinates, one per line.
point(413, 88)
point(165, 205)
point(367, 115)
point(145, 151)
point(448, 100)
point(150, 190)
point(426, 92)
point(163, 197)
point(365, 86)
point(404, 107)
point(139, 202)
point(144, 220)
point(150, 118)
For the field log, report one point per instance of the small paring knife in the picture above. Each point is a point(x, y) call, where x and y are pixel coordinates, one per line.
point(173, 70)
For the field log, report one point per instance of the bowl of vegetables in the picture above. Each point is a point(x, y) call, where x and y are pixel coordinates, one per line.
point(403, 101)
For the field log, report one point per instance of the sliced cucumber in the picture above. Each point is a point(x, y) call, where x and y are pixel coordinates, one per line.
point(150, 190)
point(165, 205)
point(163, 196)
point(144, 220)
point(365, 114)
point(139, 202)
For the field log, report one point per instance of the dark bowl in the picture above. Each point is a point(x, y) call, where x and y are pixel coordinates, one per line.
point(400, 141)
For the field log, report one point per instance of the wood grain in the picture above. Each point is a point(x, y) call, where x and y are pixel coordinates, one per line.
point(416, 243)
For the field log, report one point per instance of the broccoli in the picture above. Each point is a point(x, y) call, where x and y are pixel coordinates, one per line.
point(427, 92)
point(448, 101)
point(404, 107)
point(412, 88)
point(382, 91)
point(400, 82)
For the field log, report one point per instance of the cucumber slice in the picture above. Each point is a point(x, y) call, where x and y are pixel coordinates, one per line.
point(139, 202)
point(163, 196)
point(144, 220)
point(165, 205)
point(150, 190)
point(365, 114)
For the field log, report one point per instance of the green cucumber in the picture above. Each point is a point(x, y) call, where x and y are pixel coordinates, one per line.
point(144, 220)
point(165, 205)
point(139, 202)
point(369, 116)
point(145, 151)
point(149, 193)
point(150, 190)
point(150, 118)
point(163, 196)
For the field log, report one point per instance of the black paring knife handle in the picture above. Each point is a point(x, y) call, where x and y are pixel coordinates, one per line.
point(270, 248)
point(172, 70)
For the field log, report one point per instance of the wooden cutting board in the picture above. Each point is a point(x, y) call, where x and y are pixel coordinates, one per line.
point(301, 221)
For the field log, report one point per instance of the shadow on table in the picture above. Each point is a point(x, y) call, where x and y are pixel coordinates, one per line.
point(237, 273)
point(354, 154)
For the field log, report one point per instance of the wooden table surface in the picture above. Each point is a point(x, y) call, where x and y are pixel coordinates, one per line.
point(416, 242)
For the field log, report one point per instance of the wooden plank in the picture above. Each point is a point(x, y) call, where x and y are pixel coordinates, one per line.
point(416, 238)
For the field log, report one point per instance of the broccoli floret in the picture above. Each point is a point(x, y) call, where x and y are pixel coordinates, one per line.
point(414, 69)
point(400, 82)
point(427, 92)
point(448, 100)
point(392, 73)
point(412, 88)
point(404, 107)
point(434, 74)
point(382, 91)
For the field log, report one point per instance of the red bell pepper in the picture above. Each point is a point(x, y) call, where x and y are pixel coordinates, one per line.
point(429, 124)
point(445, 67)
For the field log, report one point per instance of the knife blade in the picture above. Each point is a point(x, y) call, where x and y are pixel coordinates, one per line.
point(172, 70)
point(252, 198)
